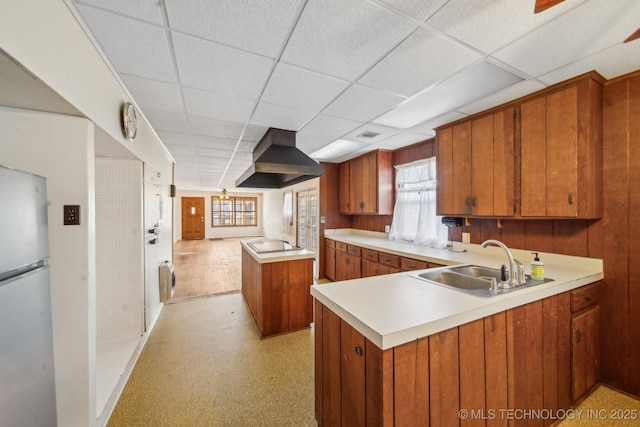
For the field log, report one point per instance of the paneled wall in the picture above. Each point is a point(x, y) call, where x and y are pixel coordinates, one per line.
point(620, 302)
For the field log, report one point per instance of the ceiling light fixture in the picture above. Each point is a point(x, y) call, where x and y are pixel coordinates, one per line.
point(224, 195)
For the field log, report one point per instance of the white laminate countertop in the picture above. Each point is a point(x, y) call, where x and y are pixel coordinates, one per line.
point(269, 257)
point(394, 309)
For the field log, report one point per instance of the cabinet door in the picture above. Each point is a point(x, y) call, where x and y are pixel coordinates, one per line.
point(344, 191)
point(341, 265)
point(354, 267)
point(369, 268)
point(476, 166)
point(444, 171)
point(330, 263)
point(482, 166)
point(357, 185)
point(352, 375)
point(549, 147)
point(492, 164)
point(584, 353)
point(461, 146)
point(562, 152)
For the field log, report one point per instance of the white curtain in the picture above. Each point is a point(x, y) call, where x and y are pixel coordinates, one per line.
point(414, 215)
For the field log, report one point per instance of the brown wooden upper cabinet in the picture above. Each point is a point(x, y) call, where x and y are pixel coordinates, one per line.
point(561, 146)
point(476, 166)
point(366, 184)
point(541, 156)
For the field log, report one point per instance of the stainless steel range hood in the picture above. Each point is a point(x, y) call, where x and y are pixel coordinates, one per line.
point(277, 163)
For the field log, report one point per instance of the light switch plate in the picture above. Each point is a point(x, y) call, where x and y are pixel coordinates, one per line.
point(466, 237)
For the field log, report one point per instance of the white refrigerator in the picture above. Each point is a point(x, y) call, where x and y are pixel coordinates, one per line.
point(27, 381)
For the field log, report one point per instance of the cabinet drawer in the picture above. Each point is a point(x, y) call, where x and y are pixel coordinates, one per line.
point(370, 255)
point(330, 243)
point(585, 296)
point(389, 260)
point(341, 246)
point(412, 264)
point(432, 265)
point(353, 250)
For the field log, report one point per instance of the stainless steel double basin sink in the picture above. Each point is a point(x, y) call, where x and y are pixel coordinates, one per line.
point(473, 279)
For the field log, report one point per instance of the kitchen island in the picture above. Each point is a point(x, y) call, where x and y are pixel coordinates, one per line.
point(396, 350)
point(276, 278)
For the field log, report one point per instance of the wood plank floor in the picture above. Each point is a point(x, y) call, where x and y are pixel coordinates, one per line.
point(207, 267)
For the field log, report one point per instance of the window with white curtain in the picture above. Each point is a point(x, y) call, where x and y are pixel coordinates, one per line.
point(414, 215)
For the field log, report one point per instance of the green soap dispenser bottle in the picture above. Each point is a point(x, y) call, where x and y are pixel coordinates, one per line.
point(537, 268)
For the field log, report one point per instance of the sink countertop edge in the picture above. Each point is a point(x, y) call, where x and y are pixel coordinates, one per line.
point(444, 308)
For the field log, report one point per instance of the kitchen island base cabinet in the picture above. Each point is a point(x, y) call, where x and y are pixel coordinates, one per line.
point(519, 359)
point(278, 294)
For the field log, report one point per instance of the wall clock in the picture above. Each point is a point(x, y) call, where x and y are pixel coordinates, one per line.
point(129, 121)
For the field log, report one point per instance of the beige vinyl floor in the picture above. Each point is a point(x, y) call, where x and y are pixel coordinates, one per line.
point(204, 365)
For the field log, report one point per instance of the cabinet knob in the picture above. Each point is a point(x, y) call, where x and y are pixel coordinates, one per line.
point(358, 350)
point(570, 198)
point(589, 297)
point(578, 335)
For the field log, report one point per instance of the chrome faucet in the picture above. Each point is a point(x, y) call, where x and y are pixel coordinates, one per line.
point(516, 268)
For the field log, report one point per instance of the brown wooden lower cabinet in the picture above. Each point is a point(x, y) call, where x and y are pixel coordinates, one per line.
point(278, 294)
point(485, 370)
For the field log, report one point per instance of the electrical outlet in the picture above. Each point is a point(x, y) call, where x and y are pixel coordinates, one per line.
point(71, 214)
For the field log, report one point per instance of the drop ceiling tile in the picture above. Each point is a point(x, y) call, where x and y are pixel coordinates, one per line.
point(159, 96)
point(337, 149)
point(214, 142)
point(428, 126)
point(353, 154)
point(328, 126)
point(509, 94)
point(181, 152)
point(215, 153)
point(148, 57)
point(585, 30)
point(401, 140)
point(217, 68)
point(167, 121)
point(225, 129)
point(174, 138)
point(420, 61)
point(309, 143)
point(277, 116)
point(294, 87)
point(475, 82)
point(360, 103)
point(344, 38)
point(417, 9)
point(383, 132)
point(149, 11)
point(215, 106)
point(610, 63)
point(257, 26)
point(490, 24)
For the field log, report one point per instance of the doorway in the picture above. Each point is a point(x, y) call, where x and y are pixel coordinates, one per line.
point(192, 218)
point(308, 220)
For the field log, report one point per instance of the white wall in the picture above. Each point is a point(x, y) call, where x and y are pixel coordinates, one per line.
point(157, 210)
point(274, 225)
point(215, 232)
point(60, 148)
point(45, 38)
